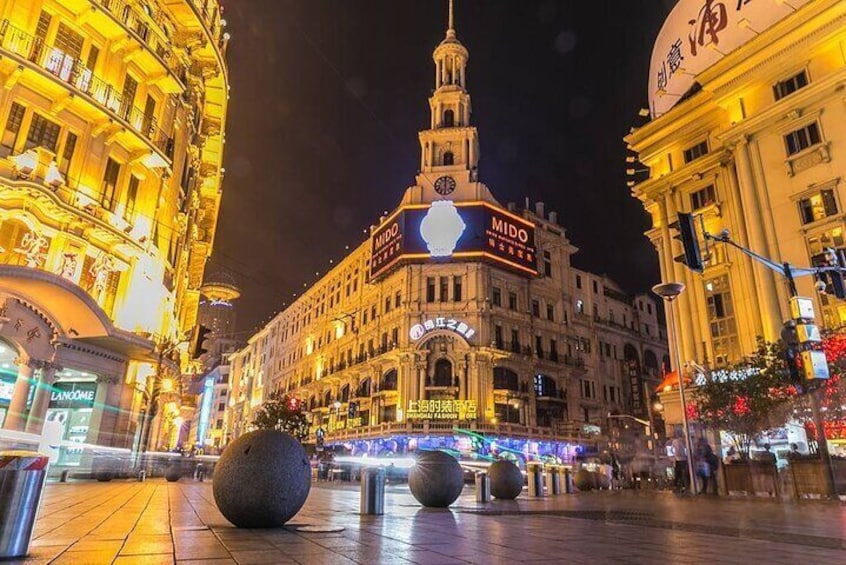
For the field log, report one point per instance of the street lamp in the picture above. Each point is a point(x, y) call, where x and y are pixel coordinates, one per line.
point(669, 292)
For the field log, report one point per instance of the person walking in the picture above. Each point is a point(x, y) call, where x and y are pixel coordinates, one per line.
point(680, 478)
point(704, 459)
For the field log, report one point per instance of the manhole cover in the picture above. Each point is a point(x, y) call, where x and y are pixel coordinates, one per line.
point(320, 529)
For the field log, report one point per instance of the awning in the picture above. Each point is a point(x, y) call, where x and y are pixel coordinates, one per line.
point(671, 381)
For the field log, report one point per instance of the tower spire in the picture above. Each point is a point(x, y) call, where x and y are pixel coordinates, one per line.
point(451, 27)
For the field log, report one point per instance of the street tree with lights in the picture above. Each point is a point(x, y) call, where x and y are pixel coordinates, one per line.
point(284, 413)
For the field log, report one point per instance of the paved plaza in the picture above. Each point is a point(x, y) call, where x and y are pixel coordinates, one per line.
point(158, 522)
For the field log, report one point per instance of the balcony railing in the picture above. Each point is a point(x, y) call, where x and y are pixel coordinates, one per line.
point(74, 73)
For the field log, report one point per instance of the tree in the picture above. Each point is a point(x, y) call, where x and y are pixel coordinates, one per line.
point(284, 413)
point(747, 398)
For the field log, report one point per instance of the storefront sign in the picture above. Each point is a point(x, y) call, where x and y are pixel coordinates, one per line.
point(697, 34)
point(73, 395)
point(834, 430)
point(441, 410)
point(449, 230)
point(635, 388)
point(461, 328)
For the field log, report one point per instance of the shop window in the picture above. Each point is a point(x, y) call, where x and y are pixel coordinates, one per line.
point(695, 152)
point(702, 197)
point(802, 138)
point(790, 85)
point(443, 373)
point(817, 206)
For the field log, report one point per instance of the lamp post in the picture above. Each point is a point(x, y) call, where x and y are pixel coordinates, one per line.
point(669, 292)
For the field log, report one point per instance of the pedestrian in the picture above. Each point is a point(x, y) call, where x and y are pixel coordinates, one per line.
point(704, 456)
point(732, 455)
point(680, 477)
point(615, 472)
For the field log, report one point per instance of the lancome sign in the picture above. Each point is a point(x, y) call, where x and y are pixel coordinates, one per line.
point(73, 395)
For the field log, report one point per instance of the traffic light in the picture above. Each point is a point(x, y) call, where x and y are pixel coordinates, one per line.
point(792, 353)
point(199, 344)
point(692, 256)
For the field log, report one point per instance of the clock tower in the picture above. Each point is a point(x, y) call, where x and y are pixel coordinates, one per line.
point(449, 149)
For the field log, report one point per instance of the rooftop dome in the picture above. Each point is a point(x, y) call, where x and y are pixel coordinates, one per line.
point(220, 285)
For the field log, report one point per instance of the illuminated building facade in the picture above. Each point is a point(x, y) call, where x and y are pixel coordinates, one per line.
point(112, 117)
point(456, 313)
point(746, 131)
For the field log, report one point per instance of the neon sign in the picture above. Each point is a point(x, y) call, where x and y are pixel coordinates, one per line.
point(442, 410)
point(461, 328)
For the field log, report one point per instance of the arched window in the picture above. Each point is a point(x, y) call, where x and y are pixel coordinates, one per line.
point(364, 388)
point(443, 373)
point(545, 387)
point(650, 361)
point(505, 379)
point(449, 158)
point(345, 393)
point(327, 399)
point(312, 403)
point(389, 380)
point(449, 119)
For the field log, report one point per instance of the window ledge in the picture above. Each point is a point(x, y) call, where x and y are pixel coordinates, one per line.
point(808, 158)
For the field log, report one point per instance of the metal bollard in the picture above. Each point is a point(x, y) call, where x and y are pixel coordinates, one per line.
point(22, 475)
point(553, 480)
point(568, 480)
point(142, 476)
point(534, 475)
point(483, 487)
point(201, 473)
point(65, 475)
point(373, 491)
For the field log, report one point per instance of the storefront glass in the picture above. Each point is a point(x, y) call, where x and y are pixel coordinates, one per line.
point(71, 407)
point(8, 376)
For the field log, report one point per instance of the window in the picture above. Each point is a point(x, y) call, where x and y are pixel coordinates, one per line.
point(553, 349)
point(67, 153)
point(444, 289)
point(515, 340)
point(107, 189)
point(449, 158)
point(550, 312)
point(397, 299)
point(579, 281)
point(695, 152)
point(387, 304)
point(13, 126)
point(649, 308)
point(512, 301)
point(498, 336)
point(131, 197)
point(547, 264)
point(456, 289)
point(702, 197)
point(790, 85)
point(588, 388)
point(535, 308)
point(721, 320)
point(802, 138)
point(130, 87)
point(43, 133)
point(817, 206)
point(539, 346)
point(595, 287)
point(364, 318)
point(580, 306)
point(430, 289)
point(497, 297)
point(449, 118)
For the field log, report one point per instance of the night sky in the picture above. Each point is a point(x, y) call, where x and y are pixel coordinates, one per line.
point(328, 96)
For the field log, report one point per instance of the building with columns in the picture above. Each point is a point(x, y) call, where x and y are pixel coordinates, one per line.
point(460, 323)
point(112, 117)
point(746, 132)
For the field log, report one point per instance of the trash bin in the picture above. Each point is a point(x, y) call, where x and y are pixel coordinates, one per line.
point(22, 475)
point(483, 487)
point(553, 480)
point(373, 491)
point(534, 475)
point(566, 480)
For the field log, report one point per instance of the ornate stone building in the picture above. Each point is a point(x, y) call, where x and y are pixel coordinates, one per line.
point(112, 117)
point(457, 313)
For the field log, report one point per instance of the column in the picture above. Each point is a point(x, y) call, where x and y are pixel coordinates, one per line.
point(16, 418)
point(41, 402)
point(767, 295)
point(675, 272)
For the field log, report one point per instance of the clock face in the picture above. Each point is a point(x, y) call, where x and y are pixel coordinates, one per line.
point(445, 185)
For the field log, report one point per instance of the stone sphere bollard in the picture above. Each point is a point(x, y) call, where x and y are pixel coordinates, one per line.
point(173, 473)
point(602, 481)
point(262, 479)
point(584, 480)
point(436, 479)
point(506, 480)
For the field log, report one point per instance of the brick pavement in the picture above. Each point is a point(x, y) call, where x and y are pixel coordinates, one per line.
point(158, 522)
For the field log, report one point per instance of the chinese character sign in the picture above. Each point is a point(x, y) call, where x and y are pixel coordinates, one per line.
point(442, 409)
point(697, 34)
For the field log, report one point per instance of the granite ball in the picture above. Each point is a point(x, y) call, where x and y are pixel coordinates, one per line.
point(602, 481)
point(436, 479)
point(173, 473)
point(262, 479)
point(584, 480)
point(506, 480)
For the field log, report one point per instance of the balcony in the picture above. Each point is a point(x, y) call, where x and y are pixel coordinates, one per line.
point(72, 72)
